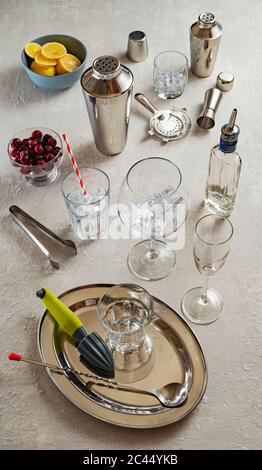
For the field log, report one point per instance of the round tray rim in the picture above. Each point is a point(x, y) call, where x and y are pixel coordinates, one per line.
point(135, 426)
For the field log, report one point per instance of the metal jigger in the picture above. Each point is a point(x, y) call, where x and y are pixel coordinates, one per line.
point(137, 49)
point(206, 120)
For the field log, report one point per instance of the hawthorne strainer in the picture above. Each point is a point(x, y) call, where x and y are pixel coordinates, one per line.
point(166, 124)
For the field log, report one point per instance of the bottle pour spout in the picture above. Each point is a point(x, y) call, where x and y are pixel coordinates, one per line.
point(232, 120)
point(229, 134)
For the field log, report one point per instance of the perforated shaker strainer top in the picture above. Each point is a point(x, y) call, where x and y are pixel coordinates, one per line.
point(206, 19)
point(106, 66)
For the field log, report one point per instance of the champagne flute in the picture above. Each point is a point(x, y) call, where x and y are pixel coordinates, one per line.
point(212, 239)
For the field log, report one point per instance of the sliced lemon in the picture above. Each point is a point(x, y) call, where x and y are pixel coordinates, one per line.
point(32, 49)
point(53, 50)
point(44, 62)
point(68, 63)
point(47, 71)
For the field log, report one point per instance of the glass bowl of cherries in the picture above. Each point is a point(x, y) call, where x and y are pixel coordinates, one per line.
point(37, 154)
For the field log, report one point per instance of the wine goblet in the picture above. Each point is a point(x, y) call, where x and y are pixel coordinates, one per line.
point(153, 203)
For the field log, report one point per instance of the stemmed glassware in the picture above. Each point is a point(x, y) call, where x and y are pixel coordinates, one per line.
point(153, 203)
point(212, 239)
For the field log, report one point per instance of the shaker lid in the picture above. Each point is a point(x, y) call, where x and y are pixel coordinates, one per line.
point(106, 78)
point(206, 20)
point(106, 67)
point(206, 27)
point(137, 49)
point(225, 81)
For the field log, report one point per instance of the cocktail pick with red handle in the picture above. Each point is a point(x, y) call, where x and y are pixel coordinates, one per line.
point(18, 357)
point(14, 357)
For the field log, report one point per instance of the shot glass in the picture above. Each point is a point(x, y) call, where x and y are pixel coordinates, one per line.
point(88, 215)
point(125, 311)
point(170, 74)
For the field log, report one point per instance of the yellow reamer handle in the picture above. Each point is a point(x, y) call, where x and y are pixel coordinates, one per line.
point(68, 321)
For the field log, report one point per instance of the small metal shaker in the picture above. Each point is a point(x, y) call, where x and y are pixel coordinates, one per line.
point(107, 88)
point(205, 37)
point(137, 49)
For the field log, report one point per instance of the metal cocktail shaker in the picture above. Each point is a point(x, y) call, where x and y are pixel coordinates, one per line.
point(107, 88)
point(205, 37)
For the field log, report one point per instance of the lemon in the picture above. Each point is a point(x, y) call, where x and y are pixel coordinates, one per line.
point(47, 71)
point(32, 49)
point(53, 50)
point(68, 63)
point(43, 61)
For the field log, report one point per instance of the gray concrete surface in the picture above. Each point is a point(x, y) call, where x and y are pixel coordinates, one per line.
point(33, 413)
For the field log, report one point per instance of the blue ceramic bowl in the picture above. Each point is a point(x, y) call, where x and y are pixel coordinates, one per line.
point(66, 80)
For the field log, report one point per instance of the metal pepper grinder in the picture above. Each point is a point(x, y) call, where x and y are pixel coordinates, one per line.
point(107, 88)
point(205, 37)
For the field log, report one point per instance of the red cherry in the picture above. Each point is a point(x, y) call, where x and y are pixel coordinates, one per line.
point(24, 161)
point(48, 148)
point(46, 137)
point(56, 150)
point(39, 149)
point(41, 162)
point(15, 143)
point(49, 157)
point(25, 143)
point(36, 134)
point(51, 141)
point(32, 143)
point(23, 154)
point(14, 153)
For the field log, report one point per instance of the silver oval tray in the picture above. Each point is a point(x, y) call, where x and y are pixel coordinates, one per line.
point(178, 357)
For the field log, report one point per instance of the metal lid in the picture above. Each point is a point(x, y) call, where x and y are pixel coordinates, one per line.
point(106, 78)
point(137, 49)
point(106, 67)
point(206, 27)
point(206, 20)
point(225, 81)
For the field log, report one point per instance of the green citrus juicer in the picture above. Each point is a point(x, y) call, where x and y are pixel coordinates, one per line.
point(94, 353)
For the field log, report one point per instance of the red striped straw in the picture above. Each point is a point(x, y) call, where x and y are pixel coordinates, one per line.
point(74, 164)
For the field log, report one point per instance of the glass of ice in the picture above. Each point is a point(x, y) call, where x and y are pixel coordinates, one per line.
point(88, 215)
point(170, 74)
